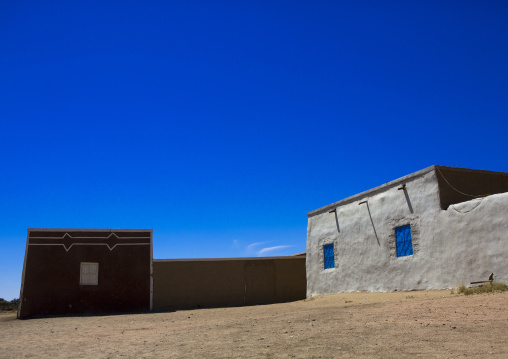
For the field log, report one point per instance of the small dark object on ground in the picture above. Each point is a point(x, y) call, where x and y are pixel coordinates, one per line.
point(491, 279)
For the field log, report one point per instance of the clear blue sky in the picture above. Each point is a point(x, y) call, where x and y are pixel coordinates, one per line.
point(220, 124)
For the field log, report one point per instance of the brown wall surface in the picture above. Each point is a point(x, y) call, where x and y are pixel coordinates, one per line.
point(51, 273)
point(181, 284)
point(472, 182)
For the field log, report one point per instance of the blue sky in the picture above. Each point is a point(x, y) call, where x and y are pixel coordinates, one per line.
point(220, 124)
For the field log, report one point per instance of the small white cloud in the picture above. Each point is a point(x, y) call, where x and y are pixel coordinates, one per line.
point(271, 249)
point(236, 243)
point(251, 246)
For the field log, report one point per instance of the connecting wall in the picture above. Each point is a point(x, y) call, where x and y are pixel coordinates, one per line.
point(195, 283)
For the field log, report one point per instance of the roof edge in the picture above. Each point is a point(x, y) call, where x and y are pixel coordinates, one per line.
point(87, 230)
point(226, 259)
point(371, 191)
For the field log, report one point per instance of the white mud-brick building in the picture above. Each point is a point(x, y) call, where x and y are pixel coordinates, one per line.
point(433, 229)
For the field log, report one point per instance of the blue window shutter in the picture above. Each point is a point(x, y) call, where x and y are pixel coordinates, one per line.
point(403, 241)
point(329, 256)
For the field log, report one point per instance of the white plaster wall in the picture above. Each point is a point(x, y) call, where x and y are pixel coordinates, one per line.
point(462, 244)
point(473, 239)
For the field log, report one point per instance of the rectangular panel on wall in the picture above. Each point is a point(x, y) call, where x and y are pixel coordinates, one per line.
point(89, 274)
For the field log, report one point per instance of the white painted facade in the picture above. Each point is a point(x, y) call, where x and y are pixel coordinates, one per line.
point(464, 243)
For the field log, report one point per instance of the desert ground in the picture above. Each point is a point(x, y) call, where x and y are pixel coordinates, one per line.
point(420, 324)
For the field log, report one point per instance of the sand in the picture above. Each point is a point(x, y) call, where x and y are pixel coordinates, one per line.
point(426, 324)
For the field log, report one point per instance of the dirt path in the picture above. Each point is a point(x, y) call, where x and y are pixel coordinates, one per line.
point(430, 324)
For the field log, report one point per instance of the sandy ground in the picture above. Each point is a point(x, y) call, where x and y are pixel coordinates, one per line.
point(428, 324)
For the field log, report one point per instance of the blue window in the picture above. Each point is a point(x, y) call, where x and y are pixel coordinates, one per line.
point(403, 241)
point(329, 256)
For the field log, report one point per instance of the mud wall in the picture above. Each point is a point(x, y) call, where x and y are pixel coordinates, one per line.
point(51, 273)
point(194, 283)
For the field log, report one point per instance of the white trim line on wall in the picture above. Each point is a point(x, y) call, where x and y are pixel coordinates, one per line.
point(68, 235)
point(88, 244)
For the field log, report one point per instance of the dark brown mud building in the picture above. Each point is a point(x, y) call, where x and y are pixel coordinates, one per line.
point(69, 271)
